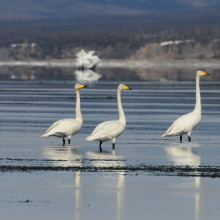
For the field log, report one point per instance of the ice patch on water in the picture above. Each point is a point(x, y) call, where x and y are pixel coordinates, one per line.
point(165, 43)
point(22, 45)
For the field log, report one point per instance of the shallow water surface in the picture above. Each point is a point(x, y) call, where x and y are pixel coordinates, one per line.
point(75, 195)
point(145, 175)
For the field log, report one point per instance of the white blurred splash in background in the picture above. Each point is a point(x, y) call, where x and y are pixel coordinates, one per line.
point(86, 60)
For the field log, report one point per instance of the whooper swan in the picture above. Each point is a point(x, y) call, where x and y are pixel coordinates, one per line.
point(110, 130)
point(188, 122)
point(67, 127)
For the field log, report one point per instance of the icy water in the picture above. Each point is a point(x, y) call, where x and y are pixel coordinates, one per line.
point(146, 177)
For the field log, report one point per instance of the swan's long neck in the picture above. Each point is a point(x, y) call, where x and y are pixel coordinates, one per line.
point(120, 109)
point(78, 110)
point(198, 97)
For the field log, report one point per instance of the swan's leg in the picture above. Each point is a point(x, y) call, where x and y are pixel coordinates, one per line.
point(63, 141)
point(189, 138)
point(100, 146)
point(181, 138)
point(113, 143)
point(69, 139)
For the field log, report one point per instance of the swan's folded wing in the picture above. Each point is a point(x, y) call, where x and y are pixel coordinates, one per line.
point(99, 127)
point(53, 125)
point(183, 124)
point(63, 126)
point(171, 126)
point(109, 128)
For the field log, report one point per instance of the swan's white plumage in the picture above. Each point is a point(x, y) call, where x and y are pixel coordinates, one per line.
point(107, 131)
point(67, 127)
point(186, 123)
point(64, 128)
point(183, 125)
point(110, 130)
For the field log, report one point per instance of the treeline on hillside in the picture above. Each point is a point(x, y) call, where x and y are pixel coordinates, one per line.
point(109, 43)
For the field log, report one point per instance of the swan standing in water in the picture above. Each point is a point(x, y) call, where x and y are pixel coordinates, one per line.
point(110, 130)
point(188, 122)
point(67, 127)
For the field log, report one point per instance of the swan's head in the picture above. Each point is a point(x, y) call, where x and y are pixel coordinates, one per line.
point(79, 86)
point(123, 87)
point(201, 73)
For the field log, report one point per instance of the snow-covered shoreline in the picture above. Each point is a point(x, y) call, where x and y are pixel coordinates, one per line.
point(117, 64)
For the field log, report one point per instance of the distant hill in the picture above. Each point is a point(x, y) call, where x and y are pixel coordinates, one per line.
point(33, 10)
point(116, 29)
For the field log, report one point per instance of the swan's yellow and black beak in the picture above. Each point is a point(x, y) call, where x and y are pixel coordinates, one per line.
point(82, 86)
point(126, 87)
point(205, 74)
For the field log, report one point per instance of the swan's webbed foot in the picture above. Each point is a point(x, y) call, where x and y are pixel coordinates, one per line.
point(63, 141)
point(100, 146)
point(68, 141)
point(181, 138)
point(113, 146)
point(189, 138)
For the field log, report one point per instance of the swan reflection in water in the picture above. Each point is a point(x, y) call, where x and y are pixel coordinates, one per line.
point(62, 156)
point(111, 159)
point(182, 156)
point(87, 75)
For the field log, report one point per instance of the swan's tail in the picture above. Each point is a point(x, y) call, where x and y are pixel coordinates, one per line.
point(164, 135)
point(90, 138)
point(45, 135)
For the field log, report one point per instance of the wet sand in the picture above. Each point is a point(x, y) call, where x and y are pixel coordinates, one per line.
point(144, 176)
